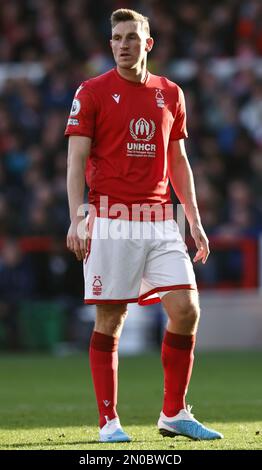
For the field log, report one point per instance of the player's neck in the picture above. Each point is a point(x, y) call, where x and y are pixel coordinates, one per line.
point(138, 76)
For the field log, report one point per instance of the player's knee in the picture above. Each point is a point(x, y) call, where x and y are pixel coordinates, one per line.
point(188, 316)
point(110, 319)
point(192, 312)
point(187, 310)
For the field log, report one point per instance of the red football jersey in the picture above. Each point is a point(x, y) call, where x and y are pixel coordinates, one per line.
point(131, 125)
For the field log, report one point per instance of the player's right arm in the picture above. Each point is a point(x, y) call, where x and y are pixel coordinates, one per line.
point(78, 150)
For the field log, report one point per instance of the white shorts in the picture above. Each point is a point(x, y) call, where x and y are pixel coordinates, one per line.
point(132, 261)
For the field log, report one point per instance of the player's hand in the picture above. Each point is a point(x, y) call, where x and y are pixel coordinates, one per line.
point(201, 242)
point(77, 238)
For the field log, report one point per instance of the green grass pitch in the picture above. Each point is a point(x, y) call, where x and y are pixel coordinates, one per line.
point(48, 402)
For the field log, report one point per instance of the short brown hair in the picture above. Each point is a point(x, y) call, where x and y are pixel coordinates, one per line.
point(124, 14)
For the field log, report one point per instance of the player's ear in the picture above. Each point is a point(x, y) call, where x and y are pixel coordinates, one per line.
point(149, 44)
point(110, 43)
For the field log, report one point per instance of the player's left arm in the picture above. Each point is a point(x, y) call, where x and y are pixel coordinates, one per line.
point(182, 180)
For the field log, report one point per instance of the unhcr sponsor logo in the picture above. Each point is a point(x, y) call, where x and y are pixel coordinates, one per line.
point(141, 146)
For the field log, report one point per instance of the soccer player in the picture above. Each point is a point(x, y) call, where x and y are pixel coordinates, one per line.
point(127, 130)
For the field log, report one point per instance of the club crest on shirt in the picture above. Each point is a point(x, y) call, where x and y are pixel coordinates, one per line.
point(160, 100)
point(76, 106)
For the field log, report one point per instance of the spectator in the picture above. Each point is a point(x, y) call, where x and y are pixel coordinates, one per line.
point(16, 285)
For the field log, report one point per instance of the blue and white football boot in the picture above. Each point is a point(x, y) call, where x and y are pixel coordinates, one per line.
point(184, 424)
point(112, 432)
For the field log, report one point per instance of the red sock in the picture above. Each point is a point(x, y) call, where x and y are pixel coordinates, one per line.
point(177, 360)
point(103, 357)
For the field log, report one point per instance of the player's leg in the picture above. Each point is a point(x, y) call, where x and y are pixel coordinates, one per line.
point(113, 271)
point(103, 355)
point(183, 312)
point(170, 273)
point(110, 319)
point(182, 308)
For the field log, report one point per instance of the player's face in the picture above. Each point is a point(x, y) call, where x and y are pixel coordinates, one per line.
point(130, 44)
